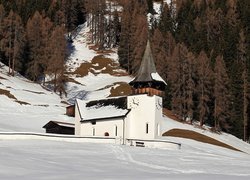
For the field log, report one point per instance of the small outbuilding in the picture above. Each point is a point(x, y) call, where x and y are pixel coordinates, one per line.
point(57, 127)
point(70, 110)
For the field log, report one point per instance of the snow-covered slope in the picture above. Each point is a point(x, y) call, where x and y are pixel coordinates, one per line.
point(97, 80)
point(222, 137)
point(36, 106)
point(26, 106)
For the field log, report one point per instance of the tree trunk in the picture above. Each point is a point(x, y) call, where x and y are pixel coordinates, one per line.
point(55, 82)
point(245, 106)
point(10, 44)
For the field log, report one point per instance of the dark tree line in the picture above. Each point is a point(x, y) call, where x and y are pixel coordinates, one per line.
point(32, 37)
point(201, 50)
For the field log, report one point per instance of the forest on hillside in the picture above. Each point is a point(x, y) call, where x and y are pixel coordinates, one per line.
point(201, 48)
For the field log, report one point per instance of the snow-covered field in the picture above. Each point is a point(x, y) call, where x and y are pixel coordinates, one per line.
point(31, 159)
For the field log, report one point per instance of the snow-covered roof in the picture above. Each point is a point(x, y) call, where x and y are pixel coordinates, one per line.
point(155, 76)
point(60, 123)
point(102, 109)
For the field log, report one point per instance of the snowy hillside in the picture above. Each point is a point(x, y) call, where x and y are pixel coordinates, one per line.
point(94, 72)
point(228, 139)
point(26, 106)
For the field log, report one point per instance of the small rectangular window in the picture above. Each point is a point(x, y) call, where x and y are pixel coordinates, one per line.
point(158, 130)
point(93, 131)
point(146, 128)
point(115, 130)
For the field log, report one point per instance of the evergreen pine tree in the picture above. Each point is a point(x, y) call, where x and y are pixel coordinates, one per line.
point(204, 83)
point(221, 96)
point(36, 49)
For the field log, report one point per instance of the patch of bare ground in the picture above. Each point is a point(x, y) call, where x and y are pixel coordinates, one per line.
point(100, 51)
point(22, 102)
point(1, 77)
point(34, 92)
point(11, 96)
point(65, 102)
point(73, 81)
point(83, 70)
point(105, 52)
point(99, 65)
point(196, 136)
point(7, 93)
point(42, 105)
point(123, 89)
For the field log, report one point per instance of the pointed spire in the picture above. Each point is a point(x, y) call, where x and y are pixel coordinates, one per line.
point(147, 72)
point(147, 65)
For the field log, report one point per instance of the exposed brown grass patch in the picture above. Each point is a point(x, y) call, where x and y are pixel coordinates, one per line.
point(65, 102)
point(1, 77)
point(123, 89)
point(7, 93)
point(11, 96)
point(105, 52)
point(22, 102)
point(83, 70)
point(99, 65)
point(73, 81)
point(196, 136)
point(93, 46)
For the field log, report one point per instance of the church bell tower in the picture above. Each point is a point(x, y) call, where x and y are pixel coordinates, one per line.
point(147, 80)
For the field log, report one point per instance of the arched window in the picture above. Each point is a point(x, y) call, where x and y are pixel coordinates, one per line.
point(106, 134)
point(146, 128)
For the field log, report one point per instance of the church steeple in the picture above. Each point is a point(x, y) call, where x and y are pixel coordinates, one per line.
point(147, 79)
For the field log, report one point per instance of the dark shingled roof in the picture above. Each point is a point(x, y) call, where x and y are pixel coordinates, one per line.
point(102, 109)
point(147, 68)
point(119, 102)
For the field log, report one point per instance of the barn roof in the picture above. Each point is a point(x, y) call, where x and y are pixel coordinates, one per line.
point(147, 71)
point(59, 123)
point(102, 109)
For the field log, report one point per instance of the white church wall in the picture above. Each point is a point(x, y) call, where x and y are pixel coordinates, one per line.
point(114, 127)
point(145, 117)
point(158, 117)
point(77, 121)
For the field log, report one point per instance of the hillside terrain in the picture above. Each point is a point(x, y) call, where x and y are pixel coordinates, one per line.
point(92, 74)
point(27, 106)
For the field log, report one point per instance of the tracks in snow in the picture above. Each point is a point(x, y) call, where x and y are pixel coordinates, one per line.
point(123, 155)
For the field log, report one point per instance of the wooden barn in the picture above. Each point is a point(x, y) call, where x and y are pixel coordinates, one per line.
point(57, 127)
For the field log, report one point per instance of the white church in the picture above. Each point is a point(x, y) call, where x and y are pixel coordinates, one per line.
point(137, 116)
